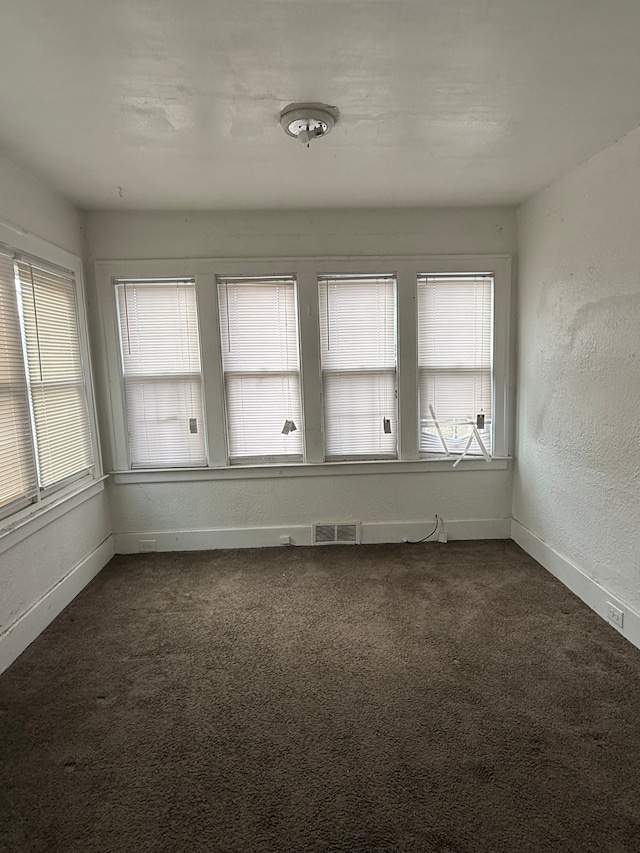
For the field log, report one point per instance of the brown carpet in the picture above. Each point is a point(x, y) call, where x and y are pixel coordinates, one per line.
point(450, 698)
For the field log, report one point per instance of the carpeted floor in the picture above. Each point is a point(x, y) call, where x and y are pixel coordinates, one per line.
point(441, 699)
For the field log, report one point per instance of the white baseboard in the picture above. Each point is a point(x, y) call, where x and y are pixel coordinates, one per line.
point(21, 633)
point(398, 531)
point(207, 540)
point(265, 537)
point(588, 590)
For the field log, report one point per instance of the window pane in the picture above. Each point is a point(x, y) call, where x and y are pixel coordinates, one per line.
point(358, 323)
point(160, 348)
point(450, 392)
point(358, 358)
point(165, 422)
point(261, 363)
point(159, 328)
point(255, 407)
point(353, 402)
point(64, 442)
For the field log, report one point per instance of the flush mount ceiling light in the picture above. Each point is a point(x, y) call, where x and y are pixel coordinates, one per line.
point(308, 121)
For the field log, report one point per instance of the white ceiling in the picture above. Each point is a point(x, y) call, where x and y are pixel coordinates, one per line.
point(173, 104)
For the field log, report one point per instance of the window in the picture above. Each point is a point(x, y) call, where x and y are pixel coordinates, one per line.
point(160, 352)
point(45, 429)
point(358, 361)
point(306, 360)
point(455, 339)
point(54, 373)
point(261, 366)
point(17, 463)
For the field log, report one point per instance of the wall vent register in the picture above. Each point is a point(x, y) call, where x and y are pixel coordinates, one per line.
point(336, 534)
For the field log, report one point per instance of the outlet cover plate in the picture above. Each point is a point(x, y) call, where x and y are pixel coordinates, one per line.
point(614, 615)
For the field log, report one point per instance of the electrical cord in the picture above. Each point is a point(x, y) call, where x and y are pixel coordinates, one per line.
point(424, 538)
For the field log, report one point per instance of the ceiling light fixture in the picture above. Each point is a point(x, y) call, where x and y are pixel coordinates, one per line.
point(308, 121)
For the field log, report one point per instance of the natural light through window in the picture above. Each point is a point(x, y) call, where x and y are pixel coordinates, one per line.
point(455, 321)
point(261, 364)
point(160, 352)
point(358, 359)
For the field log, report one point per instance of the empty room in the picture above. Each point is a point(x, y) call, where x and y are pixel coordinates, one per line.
point(320, 426)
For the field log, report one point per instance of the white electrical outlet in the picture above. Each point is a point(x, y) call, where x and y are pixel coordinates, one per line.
point(285, 540)
point(615, 615)
point(146, 545)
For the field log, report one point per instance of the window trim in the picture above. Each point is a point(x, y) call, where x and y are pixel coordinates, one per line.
point(157, 376)
point(273, 459)
point(306, 271)
point(81, 384)
point(285, 471)
point(368, 456)
point(30, 519)
point(424, 277)
point(34, 249)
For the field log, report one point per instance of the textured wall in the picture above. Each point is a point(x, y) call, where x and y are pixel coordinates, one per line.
point(34, 566)
point(577, 479)
point(454, 495)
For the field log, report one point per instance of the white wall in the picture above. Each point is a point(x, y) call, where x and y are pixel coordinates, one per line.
point(30, 206)
point(232, 234)
point(577, 478)
point(390, 505)
point(43, 567)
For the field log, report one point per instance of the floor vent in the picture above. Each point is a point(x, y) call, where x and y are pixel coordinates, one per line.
point(336, 534)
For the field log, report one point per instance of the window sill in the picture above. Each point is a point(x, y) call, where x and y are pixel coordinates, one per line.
point(324, 469)
point(24, 523)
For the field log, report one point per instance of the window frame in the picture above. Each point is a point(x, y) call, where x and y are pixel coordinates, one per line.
point(158, 377)
point(273, 459)
point(32, 249)
point(327, 277)
point(474, 450)
point(306, 271)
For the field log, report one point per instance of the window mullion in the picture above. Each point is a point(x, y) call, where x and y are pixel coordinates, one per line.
point(310, 368)
point(407, 382)
point(212, 380)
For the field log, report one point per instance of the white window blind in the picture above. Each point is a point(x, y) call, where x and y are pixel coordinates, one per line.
point(160, 349)
point(54, 373)
point(18, 480)
point(261, 363)
point(358, 360)
point(455, 338)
